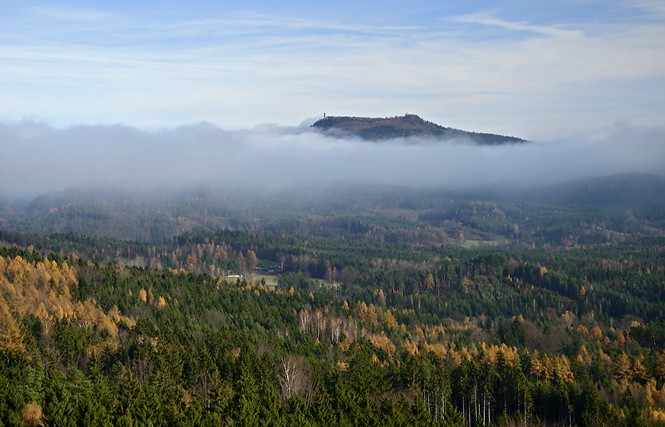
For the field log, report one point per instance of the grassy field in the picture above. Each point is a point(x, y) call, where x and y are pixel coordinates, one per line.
point(271, 281)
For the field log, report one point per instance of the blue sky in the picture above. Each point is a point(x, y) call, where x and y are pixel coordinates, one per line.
point(538, 70)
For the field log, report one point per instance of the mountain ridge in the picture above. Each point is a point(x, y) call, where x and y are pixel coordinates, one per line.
point(409, 125)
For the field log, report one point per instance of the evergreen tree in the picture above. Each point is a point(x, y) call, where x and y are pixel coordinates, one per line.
point(59, 407)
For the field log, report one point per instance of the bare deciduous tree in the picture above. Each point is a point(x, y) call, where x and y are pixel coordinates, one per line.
point(295, 378)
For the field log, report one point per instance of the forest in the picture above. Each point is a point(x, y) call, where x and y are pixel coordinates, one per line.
point(401, 309)
point(409, 125)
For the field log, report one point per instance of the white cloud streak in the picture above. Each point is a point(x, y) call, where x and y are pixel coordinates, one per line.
point(68, 14)
point(656, 7)
point(488, 19)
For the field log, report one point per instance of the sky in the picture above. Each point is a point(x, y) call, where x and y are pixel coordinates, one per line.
point(537, 70)
point(158, 93)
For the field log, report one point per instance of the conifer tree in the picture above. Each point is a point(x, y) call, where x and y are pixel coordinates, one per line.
point(10, 333)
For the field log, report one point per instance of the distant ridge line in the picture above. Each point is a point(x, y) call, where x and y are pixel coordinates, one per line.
point(382, 128)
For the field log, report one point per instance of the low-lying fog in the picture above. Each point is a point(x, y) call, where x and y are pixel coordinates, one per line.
point(36, 158)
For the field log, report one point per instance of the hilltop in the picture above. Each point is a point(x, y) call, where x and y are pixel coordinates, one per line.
point(375, 129)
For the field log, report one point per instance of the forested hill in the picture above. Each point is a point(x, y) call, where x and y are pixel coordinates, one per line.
point(602, 210)
point(634, 191)
point(198, 332)
point(409, 125)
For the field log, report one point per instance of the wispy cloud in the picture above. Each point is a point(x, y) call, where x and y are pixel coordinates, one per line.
point(656, 7)
point(492, 20)
point(521, 77)
point(263, 23)
point(68, 14)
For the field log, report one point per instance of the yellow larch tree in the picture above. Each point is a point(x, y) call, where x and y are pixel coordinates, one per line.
point(562, 369)
point(10, 334)
point(251, 260)
point(429, 282)
point(143, 295)
point(621, 367)
point(660, 366)
point(389, 320)
point(638, 370)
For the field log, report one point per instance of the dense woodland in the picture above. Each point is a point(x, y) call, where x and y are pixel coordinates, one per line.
point(592, 211)
point(407, 126)
point(553, 317)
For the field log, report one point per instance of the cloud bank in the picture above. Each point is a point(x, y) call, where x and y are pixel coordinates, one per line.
point(36, 158)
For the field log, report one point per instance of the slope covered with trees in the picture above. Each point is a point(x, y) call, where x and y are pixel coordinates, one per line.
point(355, 332)
point(606, 210)
point(409, 125)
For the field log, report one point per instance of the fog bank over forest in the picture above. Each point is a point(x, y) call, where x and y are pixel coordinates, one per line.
point(37, 158)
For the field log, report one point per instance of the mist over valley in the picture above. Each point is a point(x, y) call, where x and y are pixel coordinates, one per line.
point(272, 157)
point(152, 185)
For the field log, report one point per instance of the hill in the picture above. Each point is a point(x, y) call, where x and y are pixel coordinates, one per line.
point(409, 125)
point(591, 211)
point(625, 191)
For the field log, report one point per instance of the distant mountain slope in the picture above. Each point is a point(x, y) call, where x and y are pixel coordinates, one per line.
point(621, 190)
point(590, 211)
point(375, 129)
